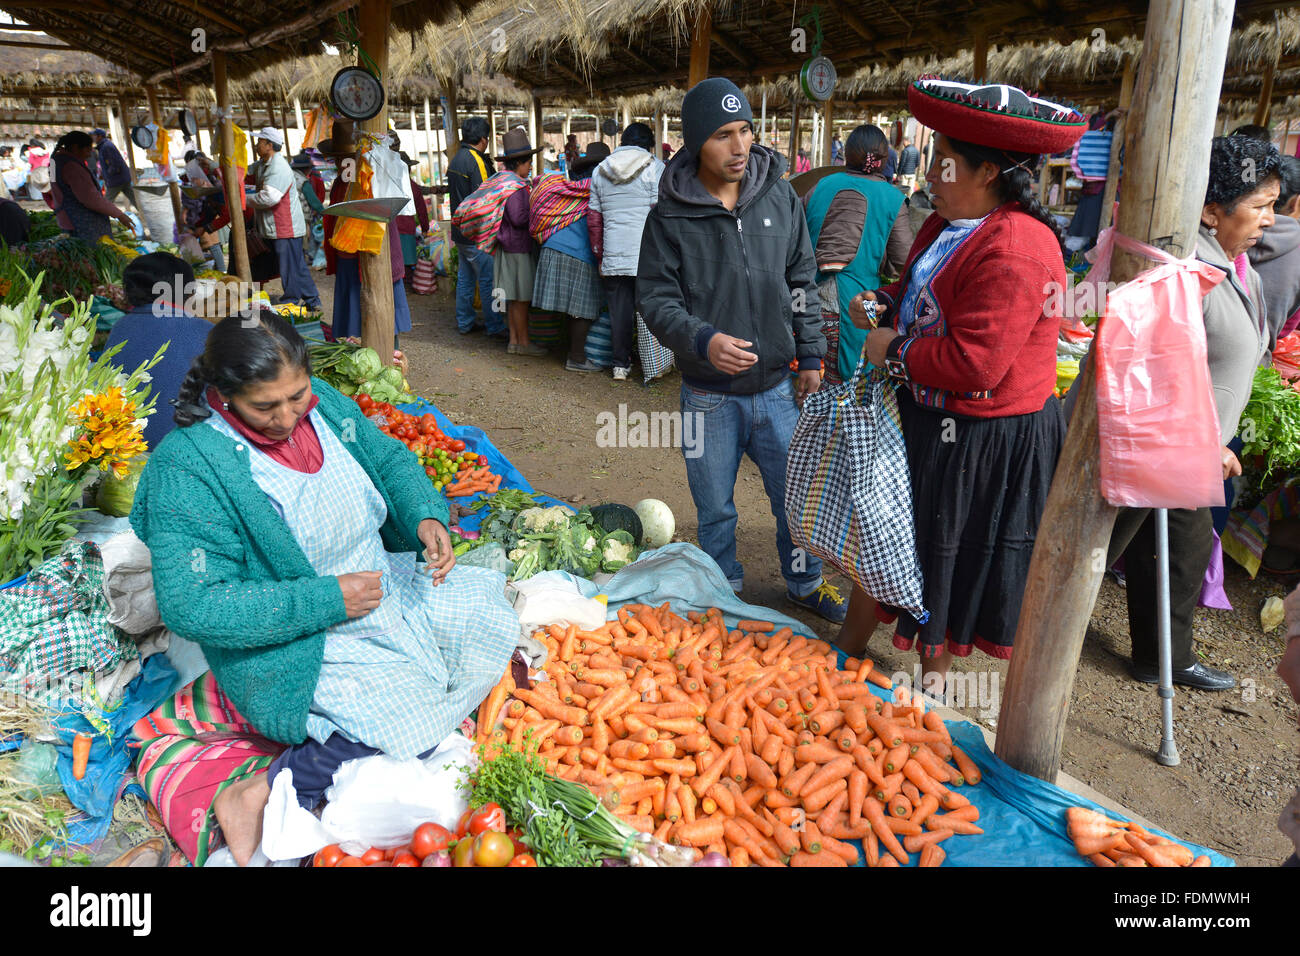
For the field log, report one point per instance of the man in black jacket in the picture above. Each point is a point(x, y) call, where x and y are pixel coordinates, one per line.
point(466, 171)
point(727, 280)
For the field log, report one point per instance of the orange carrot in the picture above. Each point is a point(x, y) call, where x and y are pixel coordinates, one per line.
point(80, 755)
point(875, 812)
point(701, 784)
point(551, 708)
point(916, 843)
point(932, 855)
point(702, 832)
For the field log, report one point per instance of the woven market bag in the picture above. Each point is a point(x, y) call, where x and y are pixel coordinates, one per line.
point(424, 281)
point(546, 329)
point(479, 215)
point(848, 492)
point(655, 359)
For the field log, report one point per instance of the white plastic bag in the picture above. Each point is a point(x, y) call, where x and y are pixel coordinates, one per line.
point(553, 598)
point(374, 801)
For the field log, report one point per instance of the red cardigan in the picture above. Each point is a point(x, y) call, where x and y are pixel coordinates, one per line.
point(990, 350)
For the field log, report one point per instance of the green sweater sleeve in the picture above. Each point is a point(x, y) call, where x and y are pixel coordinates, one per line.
point(199, 566)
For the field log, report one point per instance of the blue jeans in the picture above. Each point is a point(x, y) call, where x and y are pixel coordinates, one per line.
point(728, 426)
point(295, 278)
point(475, 266)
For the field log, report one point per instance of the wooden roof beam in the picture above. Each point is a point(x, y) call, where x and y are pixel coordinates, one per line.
point(37, 45)
point(724, 40)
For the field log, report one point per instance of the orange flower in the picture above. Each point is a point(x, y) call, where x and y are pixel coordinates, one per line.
point(110, 436)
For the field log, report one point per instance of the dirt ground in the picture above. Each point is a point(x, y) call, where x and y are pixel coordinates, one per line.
point(1239, 749)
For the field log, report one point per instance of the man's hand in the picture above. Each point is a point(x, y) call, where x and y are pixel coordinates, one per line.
point(727, 353)
point(437, 549)
point(878, 344)
point(808, 381)
point(1231, 466)
point(362, 592)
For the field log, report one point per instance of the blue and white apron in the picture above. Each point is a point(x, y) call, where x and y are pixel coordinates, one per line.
point(403, 677)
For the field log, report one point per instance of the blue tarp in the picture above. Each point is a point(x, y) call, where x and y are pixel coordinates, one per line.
point(1023, 817)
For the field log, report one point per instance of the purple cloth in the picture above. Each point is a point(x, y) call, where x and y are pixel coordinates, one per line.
point(1212, 593)
point(514, 235)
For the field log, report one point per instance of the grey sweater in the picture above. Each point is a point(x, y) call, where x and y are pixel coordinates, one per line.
point(1276, 257)
point(1236, 334)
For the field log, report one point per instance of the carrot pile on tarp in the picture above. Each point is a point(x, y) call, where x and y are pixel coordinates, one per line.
point(752, 742)
point(1108, 842)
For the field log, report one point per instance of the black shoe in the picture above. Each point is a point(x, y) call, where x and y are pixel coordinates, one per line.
point(1198, 676)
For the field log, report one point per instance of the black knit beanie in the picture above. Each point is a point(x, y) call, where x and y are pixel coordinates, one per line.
point(708, 106)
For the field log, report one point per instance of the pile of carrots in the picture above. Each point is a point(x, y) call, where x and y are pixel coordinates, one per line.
point(473, 480)
point(1108, 842)
point(751, 742)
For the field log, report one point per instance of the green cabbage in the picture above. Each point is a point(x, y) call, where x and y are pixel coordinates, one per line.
point(367, 365)
point(393, 376)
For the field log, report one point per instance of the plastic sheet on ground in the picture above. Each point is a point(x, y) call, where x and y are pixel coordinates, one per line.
point(108, 773)
point(1023, 817)
point(477, 441)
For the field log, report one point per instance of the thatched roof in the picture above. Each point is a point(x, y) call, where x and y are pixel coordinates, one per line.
point(624, 48)
point(152, 38)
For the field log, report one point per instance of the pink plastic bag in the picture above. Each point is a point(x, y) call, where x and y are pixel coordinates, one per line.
point(1158, 424)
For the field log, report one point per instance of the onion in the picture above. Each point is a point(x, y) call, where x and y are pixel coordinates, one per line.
point(714, 859)
point(469, 535)
point(437, 858)
point(613, 861)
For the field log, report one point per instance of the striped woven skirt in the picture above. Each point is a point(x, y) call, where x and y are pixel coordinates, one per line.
point(193, 746)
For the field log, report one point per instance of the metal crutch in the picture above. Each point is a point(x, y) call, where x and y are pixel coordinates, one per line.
point(1168, 754)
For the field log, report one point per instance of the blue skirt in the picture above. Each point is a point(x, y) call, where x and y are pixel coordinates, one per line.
point(347, 301)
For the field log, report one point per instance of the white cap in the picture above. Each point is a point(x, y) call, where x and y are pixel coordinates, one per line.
point(271, 135)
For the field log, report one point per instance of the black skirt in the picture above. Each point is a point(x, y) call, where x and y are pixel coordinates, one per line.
point(979, 486)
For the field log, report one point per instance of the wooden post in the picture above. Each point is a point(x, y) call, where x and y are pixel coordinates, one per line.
point(980, 69)
point(284, 126)
point(627, 118)
point(1265, 97)
point(492, 126)
point(762, 123)
point(297, 115)
point(373, 20)
point(126, 136)
point(248, 118)
point(1166, 169)
point(1117, 141)
point(794, 136)
point(232, 183)
point(535, 133)
point(451, 121)
point(701, 36)
point(658, 128)
point(172, 188)
point(434, 170)
point(568, 125)
point(828, 130)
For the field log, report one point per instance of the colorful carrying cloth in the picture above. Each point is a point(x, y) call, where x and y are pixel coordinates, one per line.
point(57, 623)
point(556, 202)
point(1246, 534)
point(479, 215)
point(194, 746)
point(1090, 158)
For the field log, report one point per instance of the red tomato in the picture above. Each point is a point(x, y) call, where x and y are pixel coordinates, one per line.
point(391, 853)
point(520, 845)
point(372, 856)
point(431, 471)
point(349, 861)
point(462, 825)
point(457, 445)
point(405, 858)
point(493, 848)
point(327, 856)
point(522, 859)
point(463, 855)
point(428, 421)
point(430, 838)
point(420, 448)
point(490, 816)
point(381, 863)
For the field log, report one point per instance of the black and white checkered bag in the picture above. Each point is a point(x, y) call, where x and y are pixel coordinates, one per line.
point(848, 492)
point(656, 359)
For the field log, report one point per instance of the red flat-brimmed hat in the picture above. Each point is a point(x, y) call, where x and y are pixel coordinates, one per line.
point(997, 115)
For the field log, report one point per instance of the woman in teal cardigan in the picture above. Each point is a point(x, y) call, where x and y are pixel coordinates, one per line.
point(283, 527)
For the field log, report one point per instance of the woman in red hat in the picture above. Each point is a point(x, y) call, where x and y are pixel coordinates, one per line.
point(967, 336)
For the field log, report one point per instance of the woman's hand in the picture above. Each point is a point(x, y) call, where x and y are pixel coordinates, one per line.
point(124, 217)
point(437, 549)
point(864, 309)
point(1231, 466)
point(362, 592)
point(878, 344)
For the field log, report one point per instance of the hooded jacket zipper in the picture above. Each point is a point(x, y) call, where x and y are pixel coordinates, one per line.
point(749, 285)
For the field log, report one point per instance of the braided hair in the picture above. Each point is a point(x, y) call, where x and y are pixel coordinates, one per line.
point(1015, 182)
point(239, 353)
point(866, 149)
